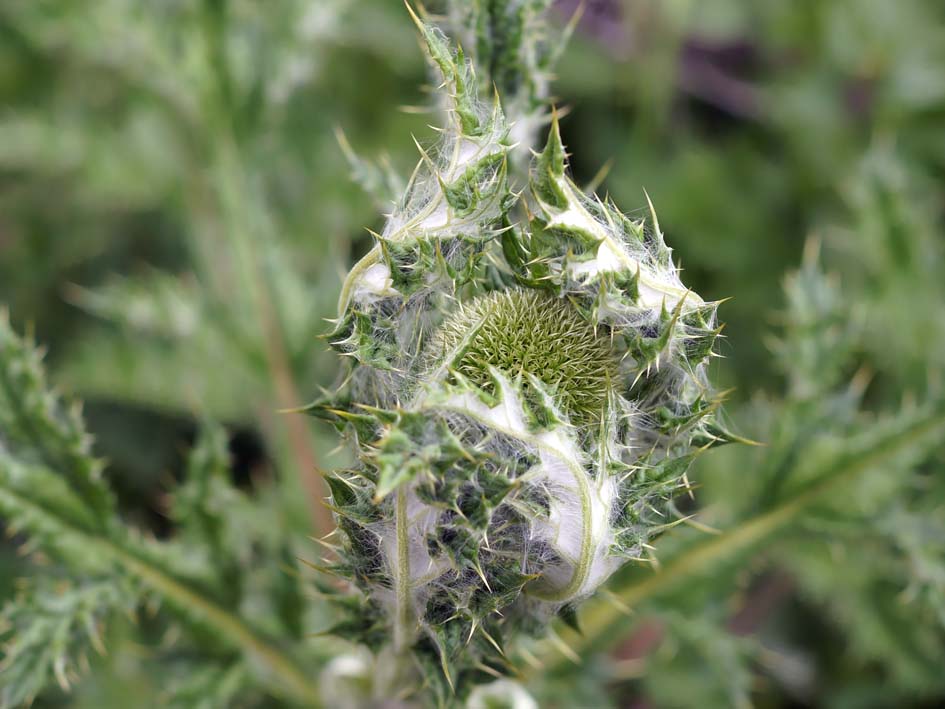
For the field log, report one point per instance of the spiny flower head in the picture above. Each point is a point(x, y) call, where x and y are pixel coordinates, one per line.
point(527, 333)
point(525, 391)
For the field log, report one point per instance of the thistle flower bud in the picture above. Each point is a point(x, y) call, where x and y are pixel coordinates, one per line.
point(524, 396)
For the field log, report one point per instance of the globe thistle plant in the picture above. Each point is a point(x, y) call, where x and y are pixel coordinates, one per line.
point(526, 389)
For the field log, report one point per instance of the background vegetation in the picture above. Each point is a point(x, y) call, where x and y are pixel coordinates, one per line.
point(176, 213)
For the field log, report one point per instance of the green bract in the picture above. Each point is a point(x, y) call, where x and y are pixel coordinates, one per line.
point(526, 390)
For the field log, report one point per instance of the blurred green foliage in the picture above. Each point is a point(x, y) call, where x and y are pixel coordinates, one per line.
point(175, 214)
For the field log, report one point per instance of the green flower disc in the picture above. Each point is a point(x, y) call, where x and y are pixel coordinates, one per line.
point(522, 332)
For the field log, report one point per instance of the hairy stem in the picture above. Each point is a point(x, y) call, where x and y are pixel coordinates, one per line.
point(402, 634)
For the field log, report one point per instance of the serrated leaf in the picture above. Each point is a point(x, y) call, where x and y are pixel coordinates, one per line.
point(49, 631)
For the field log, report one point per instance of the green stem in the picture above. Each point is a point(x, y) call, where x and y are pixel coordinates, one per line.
point(279, 671)
point(402, 634)
point(603, 624)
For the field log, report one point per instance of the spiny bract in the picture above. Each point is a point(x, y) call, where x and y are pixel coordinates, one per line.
point(526, 391)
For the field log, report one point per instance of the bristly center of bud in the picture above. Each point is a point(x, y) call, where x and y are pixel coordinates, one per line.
point(529, 332)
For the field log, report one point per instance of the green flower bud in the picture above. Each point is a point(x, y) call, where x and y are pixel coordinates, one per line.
point(524, 396)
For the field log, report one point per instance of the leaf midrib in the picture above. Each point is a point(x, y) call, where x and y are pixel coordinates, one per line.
point(282, 673)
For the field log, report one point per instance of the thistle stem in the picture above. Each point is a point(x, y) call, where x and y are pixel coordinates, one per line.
point(402, 634)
